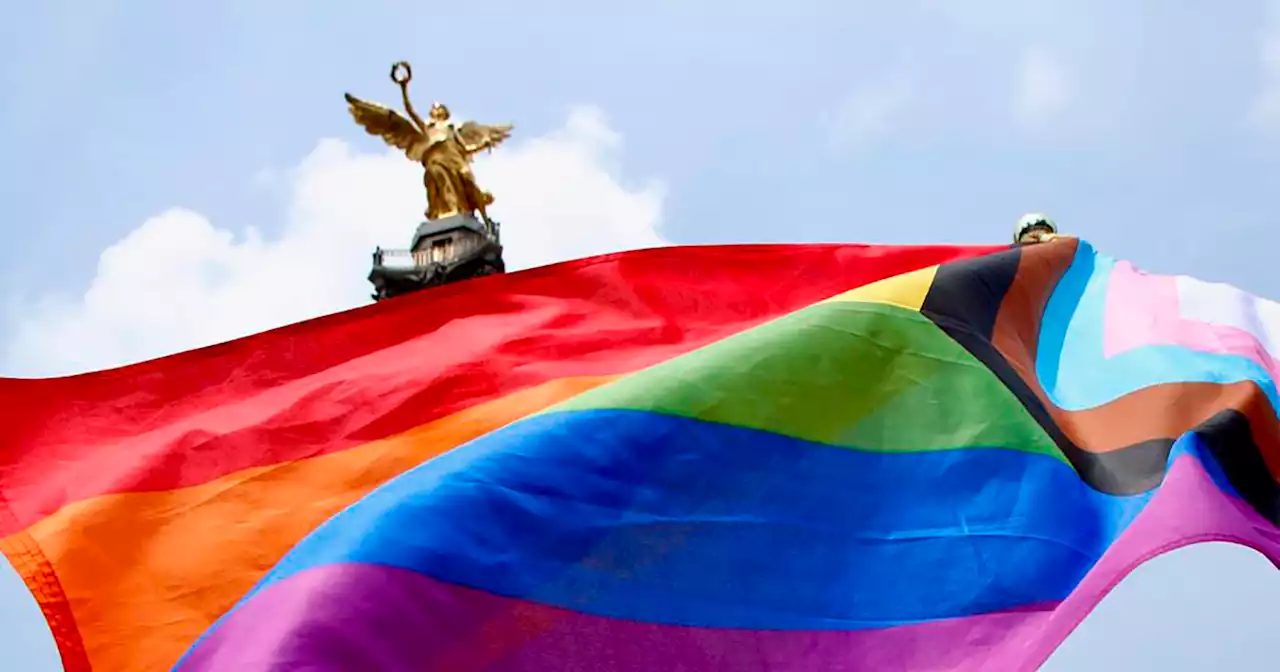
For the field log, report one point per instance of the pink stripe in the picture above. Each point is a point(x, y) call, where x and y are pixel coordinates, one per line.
point(1140, 309)
point(373, 617)
point(1143, 310)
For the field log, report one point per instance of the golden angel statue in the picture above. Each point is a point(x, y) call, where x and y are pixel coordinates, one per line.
point(444, 150)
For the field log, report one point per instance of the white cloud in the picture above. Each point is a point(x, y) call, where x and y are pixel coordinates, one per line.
point(179, 281)
point(869, 112)
point(1043, 90)
point(1265, 112)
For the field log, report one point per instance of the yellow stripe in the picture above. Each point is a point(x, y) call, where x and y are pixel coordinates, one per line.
point(907, 290)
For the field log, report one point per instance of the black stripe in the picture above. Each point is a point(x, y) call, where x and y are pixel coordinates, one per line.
point(1229, 438)
point(970, 291)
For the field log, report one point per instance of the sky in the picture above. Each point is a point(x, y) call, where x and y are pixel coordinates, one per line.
point(176, 174)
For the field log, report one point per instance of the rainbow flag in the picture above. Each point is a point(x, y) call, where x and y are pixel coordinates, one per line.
point(748, 458)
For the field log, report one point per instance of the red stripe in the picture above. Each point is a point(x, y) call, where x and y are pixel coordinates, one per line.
point(341, 380)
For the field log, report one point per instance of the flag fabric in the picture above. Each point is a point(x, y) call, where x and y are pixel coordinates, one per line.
point(748, 458)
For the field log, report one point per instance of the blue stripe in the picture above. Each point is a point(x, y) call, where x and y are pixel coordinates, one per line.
point(636, 515)
point(1076, 374)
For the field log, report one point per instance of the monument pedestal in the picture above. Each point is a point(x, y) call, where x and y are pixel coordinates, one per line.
point(446, 250)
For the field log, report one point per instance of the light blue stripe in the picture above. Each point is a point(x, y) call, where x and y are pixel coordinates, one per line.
point(1075, 373)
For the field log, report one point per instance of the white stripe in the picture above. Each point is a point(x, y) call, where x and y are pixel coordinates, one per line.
point(1221, 304)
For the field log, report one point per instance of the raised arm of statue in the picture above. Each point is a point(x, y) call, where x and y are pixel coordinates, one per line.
point(403, 81)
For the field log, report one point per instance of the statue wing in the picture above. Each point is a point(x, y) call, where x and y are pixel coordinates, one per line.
point(394, 128)
point(482, 136)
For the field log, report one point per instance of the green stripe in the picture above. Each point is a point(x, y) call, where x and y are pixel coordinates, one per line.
point(858, 375)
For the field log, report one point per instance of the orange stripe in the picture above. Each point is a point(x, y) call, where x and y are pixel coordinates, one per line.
point(144, 574)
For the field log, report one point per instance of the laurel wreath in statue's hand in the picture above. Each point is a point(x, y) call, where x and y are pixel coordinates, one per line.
point(401, 73)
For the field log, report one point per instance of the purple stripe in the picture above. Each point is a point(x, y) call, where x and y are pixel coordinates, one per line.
point(366, 617)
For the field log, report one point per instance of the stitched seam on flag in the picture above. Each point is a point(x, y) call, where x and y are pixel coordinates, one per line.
point(41, 579)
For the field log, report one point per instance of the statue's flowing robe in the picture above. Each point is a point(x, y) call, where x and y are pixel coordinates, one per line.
point(451, 186)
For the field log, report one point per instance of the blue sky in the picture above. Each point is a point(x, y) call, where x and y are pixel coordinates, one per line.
point(1151, 129)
